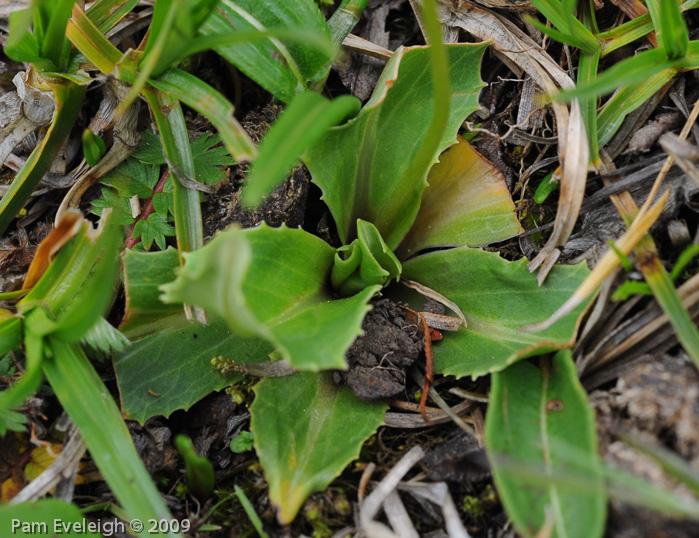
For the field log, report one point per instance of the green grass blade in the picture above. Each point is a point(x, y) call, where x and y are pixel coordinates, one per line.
point(628, 100)
point(587, 72)
point(200, 472)
point(69, 97)
point(250, 511)
point(672, 463)
point(665, 293)
point(90, 41)
point(569, 28)
point(302, 124)
point(54, 45)
point(21, 44)
point(673, 36)
point(344, 19)
point(175, 139)
point(636, 69)
point(684, 259)
point(197, 94)
point(106, 13)
point(628, 32)
point(89, 404)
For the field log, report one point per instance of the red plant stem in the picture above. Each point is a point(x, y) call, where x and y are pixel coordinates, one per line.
point(429, 364)
point(147, 210)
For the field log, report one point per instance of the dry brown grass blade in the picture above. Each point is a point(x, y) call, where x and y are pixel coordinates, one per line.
point(573, 150)
point(625, 244)
point(361, 45)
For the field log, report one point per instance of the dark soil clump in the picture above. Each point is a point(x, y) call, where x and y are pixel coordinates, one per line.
point(285, 205)
point(378, 359)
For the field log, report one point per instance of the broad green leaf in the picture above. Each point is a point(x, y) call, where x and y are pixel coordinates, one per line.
point(133, 178)
point(367, 261)
point(467, 203)
point(107, 438)
point(498, 298)
point(45, 517)
point(143, 273)
point(279, 66)
point(91, 297)
point(154, 228)
point(170, 368)
point(121, 209)
point(210, 159)
point(365, 167)
point(540, 417)
point(307, 430)
point(271, 283)
point(302, 124)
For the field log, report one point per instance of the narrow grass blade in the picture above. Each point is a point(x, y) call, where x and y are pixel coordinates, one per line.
point(344, 19)
point(54, 45)
point(21, 44)
point(569, 28)
point(195, 93)
point(673, 36)
point(106, 13)
point(175, 139)
point(665, 293)
point(90, 41)
point(303, 123)
point(627, 100)
point(89, 404)
point(200, 472)
point(250, 511)
point(587, 72)
point(636, 69)
point(672, 463)
point(69, 97)
point(621, 485)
